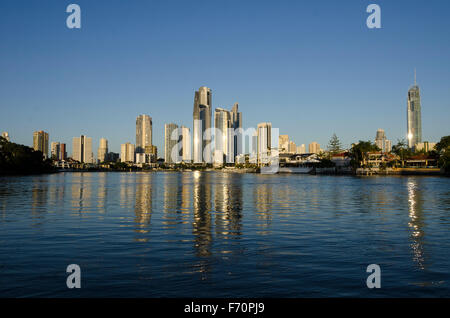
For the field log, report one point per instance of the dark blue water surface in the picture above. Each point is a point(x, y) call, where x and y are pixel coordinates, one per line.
point(215, 234)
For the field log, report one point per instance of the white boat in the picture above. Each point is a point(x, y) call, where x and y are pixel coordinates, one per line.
point(295, 170)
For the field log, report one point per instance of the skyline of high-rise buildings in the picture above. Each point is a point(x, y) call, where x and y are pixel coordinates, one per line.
point(198, 148)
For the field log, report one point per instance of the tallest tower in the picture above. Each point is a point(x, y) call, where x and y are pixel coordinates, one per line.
point(414, 115)
point(202, 125)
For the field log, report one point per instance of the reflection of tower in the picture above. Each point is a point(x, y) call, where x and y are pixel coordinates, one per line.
point(39, 196)
point(228, 205)
point(143, 202)
point(102, 192)
point(81, 191)
point(263, 202)
point(202, 213)
point(416, 222)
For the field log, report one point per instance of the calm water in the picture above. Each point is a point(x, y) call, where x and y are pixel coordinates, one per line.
point(222, 235)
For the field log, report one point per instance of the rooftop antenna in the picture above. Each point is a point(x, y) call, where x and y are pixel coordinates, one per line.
point(415, 83)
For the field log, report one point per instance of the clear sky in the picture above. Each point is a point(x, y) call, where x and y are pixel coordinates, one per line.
point(312, 68)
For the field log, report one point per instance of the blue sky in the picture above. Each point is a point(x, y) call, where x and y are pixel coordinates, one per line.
point(312, 68)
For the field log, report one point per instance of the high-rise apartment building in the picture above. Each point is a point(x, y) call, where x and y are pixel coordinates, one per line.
point(186, 155)
point(62, 151)
point(283, 143)
point(143, 133)
point(292, 147)
point(202, 125)
point(236, 124)
point(82, 149)
point(55, 150)
point(171, 139)
point(382, 142)
point(264, 142)
point(40, 142)
point(301, 149)
point(224, 138)
point(127, 152)
point(414, 115)
point(102, 152)
point(314, 147)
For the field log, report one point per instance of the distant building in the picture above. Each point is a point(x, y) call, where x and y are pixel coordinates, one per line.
point(292, 147)
point(62, 151)
point(102, 152)
point(425, 146)
point(55, 150)
point(186, 155)
point(82, 149)
point(283, 143)
point(171, 139)
point(264, 143)
point(127, 152)
point(382, 142)
point(301, 149)
point(6, 135)
point(414, 115)
point(152, 152)
point(113, 156)
point(143, 132)
point(223, 140)
point(236, 124)
point(314, 147)
point(202, 125)
point(40, 142)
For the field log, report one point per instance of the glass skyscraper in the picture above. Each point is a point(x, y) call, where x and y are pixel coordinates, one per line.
point(414, 116)
point(143, 132)
point(202, 125)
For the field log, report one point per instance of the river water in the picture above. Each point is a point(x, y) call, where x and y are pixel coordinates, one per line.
point(212, 234)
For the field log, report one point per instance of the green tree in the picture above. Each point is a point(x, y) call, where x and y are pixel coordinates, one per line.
point(334, 145)
point(358, 153)
point(401, 149)
point(443, 152)
point(20, 159)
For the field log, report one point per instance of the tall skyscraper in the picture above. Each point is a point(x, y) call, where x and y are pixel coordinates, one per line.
point(314, 147)
point(82, 149)
point(224, 139)
point(6, 135)
point(102, 152)
point(143, 133)
point(127, 152)
point(264, 143)
point(171, 139)
point(414, 115)
point(202, 125)
point(382, 142)
point(40, 142)
point(236, 124)
point(186, 155)
point(55, 150)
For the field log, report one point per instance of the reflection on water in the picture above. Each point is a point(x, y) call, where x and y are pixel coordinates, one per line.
point(416, 223)
point(224, 234)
